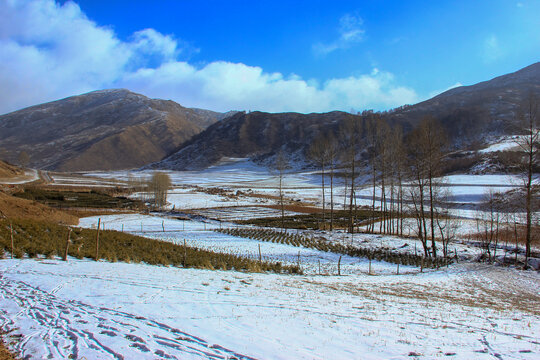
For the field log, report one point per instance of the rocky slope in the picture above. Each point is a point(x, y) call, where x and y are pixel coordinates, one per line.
point(101, 130)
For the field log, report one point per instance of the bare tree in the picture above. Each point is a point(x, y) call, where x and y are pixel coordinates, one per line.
point(281, 164)
point(528, 144)
point(488, 223)
point(332, 157)
point(23, 158)
point(159, 186)
point(398, 160)
point(447, 223)
point(350, 132)
point(427, 143)
point(318, 152)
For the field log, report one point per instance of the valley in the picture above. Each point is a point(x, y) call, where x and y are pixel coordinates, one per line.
point(337, 306)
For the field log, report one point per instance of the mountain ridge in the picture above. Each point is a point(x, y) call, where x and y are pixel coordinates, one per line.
point(467, 113)
point(100, 130)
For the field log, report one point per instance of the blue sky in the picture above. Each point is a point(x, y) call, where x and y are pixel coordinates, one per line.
point(262, 55)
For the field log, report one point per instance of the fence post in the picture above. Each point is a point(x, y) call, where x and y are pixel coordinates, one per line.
point(260, 256)
point(67, 245)
point(163, 225)
point(339, 266)
point(97, 239)
point(397, 272)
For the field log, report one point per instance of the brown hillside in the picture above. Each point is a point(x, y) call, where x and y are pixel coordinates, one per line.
point(101, 130)
point(8, 171)
point(16, 208)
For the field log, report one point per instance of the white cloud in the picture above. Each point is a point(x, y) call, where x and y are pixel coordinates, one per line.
point(49, 51)
point(351, 32)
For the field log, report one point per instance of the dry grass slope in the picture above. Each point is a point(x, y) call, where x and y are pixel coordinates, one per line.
point(16, 208)
point(8, 171)
point(33, 238)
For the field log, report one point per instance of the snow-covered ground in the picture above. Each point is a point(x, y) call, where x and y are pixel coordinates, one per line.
point(202, 235)
point(504, 143)
point(97, 310)
point(305, 186)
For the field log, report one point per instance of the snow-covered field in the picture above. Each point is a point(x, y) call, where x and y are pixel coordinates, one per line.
point(201, 235)
point(97, 310)
point(304, 185)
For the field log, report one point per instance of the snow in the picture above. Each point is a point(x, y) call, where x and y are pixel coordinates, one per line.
point(202, 235)
point(505, 143)
point(99, 310)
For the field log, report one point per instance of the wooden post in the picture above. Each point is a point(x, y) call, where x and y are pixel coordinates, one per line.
point(319, 266)
point(260, 256)
point(11, 234)
point(67, 245)
point(298, 259)
point(369, 266)
point(339, 266)
point(163, 225)
point(185, 253)
point(397, 272)
point(97, 239)
point(141, 227)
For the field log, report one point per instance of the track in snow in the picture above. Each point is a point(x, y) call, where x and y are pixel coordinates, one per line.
point(67, 329)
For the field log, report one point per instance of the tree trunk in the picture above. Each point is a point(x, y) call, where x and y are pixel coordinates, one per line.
point(323, 199)
point(332, 197)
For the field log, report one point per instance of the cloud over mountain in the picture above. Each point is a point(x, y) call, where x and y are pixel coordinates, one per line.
point(49, 51)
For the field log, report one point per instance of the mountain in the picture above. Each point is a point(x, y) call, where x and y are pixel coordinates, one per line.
point(468, 114)
point(257, 135)
point(100, 130)
point(474, 111)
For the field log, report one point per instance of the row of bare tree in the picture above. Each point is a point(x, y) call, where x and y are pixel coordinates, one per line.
point(404, 174)
point(153, 190)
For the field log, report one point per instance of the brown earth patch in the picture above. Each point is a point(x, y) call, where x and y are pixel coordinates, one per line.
point(5, 354)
